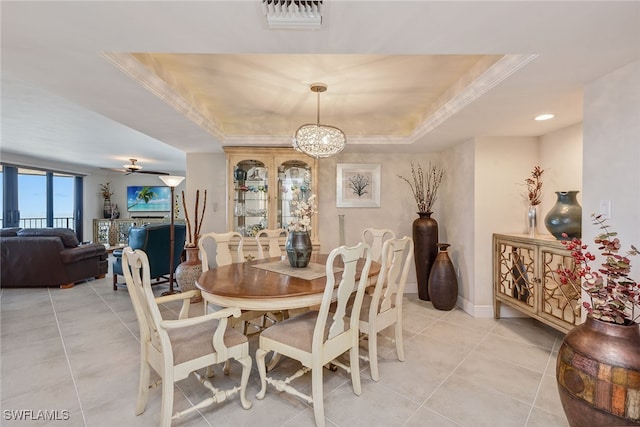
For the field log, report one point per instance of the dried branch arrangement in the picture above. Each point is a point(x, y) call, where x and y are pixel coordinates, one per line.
point(534, 186)
point(425, 186)
point(192, 239)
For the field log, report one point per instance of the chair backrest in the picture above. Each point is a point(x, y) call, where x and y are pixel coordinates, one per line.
point(135, 266)
point(223, 242)
point(271, 239)
point(396, 261)
point(349, 257)
point(154, 240)
point(375, 237)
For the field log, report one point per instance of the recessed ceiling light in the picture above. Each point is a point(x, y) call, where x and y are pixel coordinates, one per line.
point(544, 117)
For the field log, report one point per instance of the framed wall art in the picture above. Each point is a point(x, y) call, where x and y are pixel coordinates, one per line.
point(358, 185)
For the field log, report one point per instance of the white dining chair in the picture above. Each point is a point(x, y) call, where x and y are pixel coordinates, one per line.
point(316, 338)
point(225, 256)
point(176, 348)
point(375, 237)
point(223, 252)
point(383, 308)
point(270, 239)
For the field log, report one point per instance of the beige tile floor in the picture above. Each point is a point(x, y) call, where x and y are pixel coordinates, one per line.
point(77, 350)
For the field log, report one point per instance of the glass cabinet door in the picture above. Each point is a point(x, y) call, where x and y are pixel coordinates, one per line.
point(250, 197)
point(292, 175)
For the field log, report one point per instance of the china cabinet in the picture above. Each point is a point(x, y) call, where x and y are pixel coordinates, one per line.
point(525, 278)
point(262, 182)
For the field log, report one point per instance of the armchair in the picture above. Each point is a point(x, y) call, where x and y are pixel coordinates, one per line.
point(154, 240)
point(176, 348)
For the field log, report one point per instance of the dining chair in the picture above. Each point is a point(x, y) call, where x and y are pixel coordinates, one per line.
point(384, 307)
point(176, 348)
point(316, 338)
point(224, 256)
point(375, 237)
point(271, 239)
point(223, 253)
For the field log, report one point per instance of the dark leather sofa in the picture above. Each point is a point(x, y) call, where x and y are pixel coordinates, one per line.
point(43, 257)
point(154, 240)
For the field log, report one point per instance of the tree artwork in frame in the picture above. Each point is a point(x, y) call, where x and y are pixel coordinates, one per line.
point(358, 185)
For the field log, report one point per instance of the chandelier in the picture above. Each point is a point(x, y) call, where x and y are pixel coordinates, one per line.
point(316, 140)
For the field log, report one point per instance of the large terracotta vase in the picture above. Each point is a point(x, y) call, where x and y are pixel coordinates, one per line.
point(188, 272)
point(443, 284)
point(565, 216)
point(598, 374)
point(298, 247)
point(425, 250)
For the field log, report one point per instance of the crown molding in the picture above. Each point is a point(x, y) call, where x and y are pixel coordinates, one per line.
point(129, 65)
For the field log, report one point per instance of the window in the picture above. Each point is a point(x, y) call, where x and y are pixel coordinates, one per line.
point(33, 198)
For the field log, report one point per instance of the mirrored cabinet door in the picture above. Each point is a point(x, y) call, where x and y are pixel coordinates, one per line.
point(294, 183)
point(250, 197)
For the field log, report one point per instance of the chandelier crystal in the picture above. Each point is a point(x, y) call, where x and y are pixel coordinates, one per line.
point(316, 140)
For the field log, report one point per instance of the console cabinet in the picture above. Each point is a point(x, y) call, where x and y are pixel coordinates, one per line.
point(261, 181)
point(525, 278)
point(115, 232)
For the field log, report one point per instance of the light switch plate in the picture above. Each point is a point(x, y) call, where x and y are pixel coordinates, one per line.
point(605, 209)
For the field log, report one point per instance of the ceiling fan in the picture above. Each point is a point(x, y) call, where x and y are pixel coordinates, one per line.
point(134, 167)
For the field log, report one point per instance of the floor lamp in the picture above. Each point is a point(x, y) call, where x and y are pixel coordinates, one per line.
point(172, 181)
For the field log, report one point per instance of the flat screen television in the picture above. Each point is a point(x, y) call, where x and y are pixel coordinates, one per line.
point(149, 198)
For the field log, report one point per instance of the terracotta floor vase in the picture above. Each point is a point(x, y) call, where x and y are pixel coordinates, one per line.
point(598, 374)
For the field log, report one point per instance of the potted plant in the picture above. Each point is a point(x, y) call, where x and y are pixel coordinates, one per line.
point(298, 244)
point(106, 193)
point(424, 187)
point(598, 364)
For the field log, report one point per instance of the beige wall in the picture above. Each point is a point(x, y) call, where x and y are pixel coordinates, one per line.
point(561, 159)
point(612, 154)
point(93, 201)
point(482, 193)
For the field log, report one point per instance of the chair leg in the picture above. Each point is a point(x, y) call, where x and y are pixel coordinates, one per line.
point(246, 370)
point(167, 400)
point(399, 341)
point(143, 387)
point(354, 362)
point(115, 282)
point(317, 396)
point(372, 338)
point(262, 370)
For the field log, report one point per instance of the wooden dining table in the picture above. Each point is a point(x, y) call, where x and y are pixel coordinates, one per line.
point(270, 284)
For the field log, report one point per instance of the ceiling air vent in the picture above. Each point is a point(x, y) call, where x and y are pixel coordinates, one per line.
point(290, 14)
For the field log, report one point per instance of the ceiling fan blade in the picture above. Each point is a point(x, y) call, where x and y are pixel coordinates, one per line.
point(150, 172)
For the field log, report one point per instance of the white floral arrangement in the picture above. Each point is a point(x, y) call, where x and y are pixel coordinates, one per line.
point(302, 211)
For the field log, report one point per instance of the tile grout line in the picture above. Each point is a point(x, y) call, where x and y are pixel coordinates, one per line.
point(443, 318)
point(541, 379)
point(66, 355)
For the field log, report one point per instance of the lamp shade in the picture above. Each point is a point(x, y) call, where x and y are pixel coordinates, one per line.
point(171, 180)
